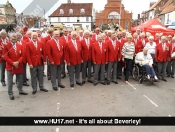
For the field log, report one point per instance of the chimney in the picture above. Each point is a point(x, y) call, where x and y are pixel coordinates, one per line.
point(151, 4)
point(138, 16)
point(68, 1)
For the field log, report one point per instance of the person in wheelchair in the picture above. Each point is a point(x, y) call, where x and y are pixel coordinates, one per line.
point(145, 60)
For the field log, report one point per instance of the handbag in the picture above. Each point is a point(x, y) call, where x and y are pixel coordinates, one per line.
point(18, 70)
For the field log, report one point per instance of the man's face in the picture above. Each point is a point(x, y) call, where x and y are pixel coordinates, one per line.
point(65, 32)
point(163, 40)
point(13, 39)
point(74, 36)
point(81, 33)
point(142, 36)
point(145, 51)
point(138, 32)
point(135, 36)
point(123, 34)
point(18, 37)
point(100, 39)
point(86, 35)
point(97, 31)
point(113, 36)
point(56, 35)
point(3, 35)
point(106, 32)
point(169, 38)
point(151, 40)
point(69, 32)
point(39, 34)
point(29, 35)
point(109, 34)
point(34, 38)
point(119, 35)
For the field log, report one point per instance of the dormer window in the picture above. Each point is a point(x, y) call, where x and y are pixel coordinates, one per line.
point(61, 11)
point(70, 11)
point(82, 11)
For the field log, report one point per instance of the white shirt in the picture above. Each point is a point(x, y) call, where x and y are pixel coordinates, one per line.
point(151, 48)
point(75, 44)
point(35, 44)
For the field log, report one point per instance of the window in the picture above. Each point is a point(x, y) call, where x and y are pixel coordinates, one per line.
point(78, 19)
point(114, 15)
point(0, 11)
point(82, 11)
point(87, 19)
point(68, 19)
point(126, 25)
point(61, 11)
point(70, 11)
point(162, 2)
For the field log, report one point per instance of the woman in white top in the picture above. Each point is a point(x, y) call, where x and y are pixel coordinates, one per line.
point(151, 46)
point(128, 52)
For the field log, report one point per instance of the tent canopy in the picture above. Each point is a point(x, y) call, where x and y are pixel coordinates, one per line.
point(154, 26)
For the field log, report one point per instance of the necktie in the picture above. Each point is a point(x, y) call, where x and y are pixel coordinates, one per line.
point(101, 47)
point(87, 43)
point(163, 46)
point(58, 45)
point(14, 47)
point(35, 44)
point(113, 43)
point(75, 45)
point(3, 41)
point(66, 38)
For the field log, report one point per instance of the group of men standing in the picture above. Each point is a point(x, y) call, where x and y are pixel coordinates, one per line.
point(79, 53)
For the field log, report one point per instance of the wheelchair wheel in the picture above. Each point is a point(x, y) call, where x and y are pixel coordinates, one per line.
point(141, 81)
point(135, 73)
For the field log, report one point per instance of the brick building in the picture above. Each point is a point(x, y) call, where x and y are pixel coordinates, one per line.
point(114, 11)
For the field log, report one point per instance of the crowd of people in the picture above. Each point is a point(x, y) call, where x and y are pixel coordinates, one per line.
point(90, 53)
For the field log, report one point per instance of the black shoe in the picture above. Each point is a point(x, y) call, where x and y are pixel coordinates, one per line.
point(11, 97)
point(61, 86)
point(103, 83)
point(34, 92)
point(90, 81)
point(172, 76)
point(78, 83)
point(108, 83)
point(119, 78)
point(168, 75)
point(25, 84)
point(164, 80)
point(83, 82)
point(55, 88)
point(44, 90)
point(27, 79)
point(95, 84)
point(44, 75)
point(63, 76)
point(49, 78)
point(115, 82)
point(14, 83)
point(72, 85)
point(3, 84)
point(23, 93)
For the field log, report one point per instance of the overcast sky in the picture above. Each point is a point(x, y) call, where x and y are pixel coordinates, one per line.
point(136, 6)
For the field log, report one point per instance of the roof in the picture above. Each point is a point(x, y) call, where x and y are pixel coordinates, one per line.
point(154, 5)
point(76, 9)
point(168, 9)
point(1, 5)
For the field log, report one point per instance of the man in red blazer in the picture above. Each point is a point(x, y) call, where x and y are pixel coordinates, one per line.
point(65, 38)
point(13, 56)
point(99, 58)
point(46, 39)
point(3, 42)
point(162, 56)
point(138, 43)
point(55, 52)
point(171, 67)
point(143, 40)
point(74, 59)
point(169, 41)
point(36, 58)
point(23, 44)
point(95, 35)
point(108, 36)
point(80, 37)
point(113, 58)
point(87, 57)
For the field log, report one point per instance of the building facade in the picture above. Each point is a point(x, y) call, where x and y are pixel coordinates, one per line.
point(114, 11)
point(74, 15)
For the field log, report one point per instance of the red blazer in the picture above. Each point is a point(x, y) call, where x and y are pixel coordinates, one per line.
point(144, 42)
point(94, 37)
point(156, 41)
point(73, 57)
point(24, 51)
point(45, 40)
point(11, 56)
point(138, 46)
point(35, 56)
point(97, 56)
point(86, 53)
point(24, 37)
point(163, 56)
point(78, 38)
point(53, 53)
point(172, 50)
point(114, 55)
point(1, 50)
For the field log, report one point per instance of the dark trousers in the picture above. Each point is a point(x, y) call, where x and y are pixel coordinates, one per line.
point(2, 71)
point(75, 68)
point(48, 69)
point(55, 72)
point(119, 68)
point(24, 75)
point(86, 65)
point(114, 72)
point(63, 70)
point(98, 68)
point(128, 68)
point(162, 68)
point(149, 70)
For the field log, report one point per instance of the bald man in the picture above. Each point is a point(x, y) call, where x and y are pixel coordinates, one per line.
point(36, 58)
